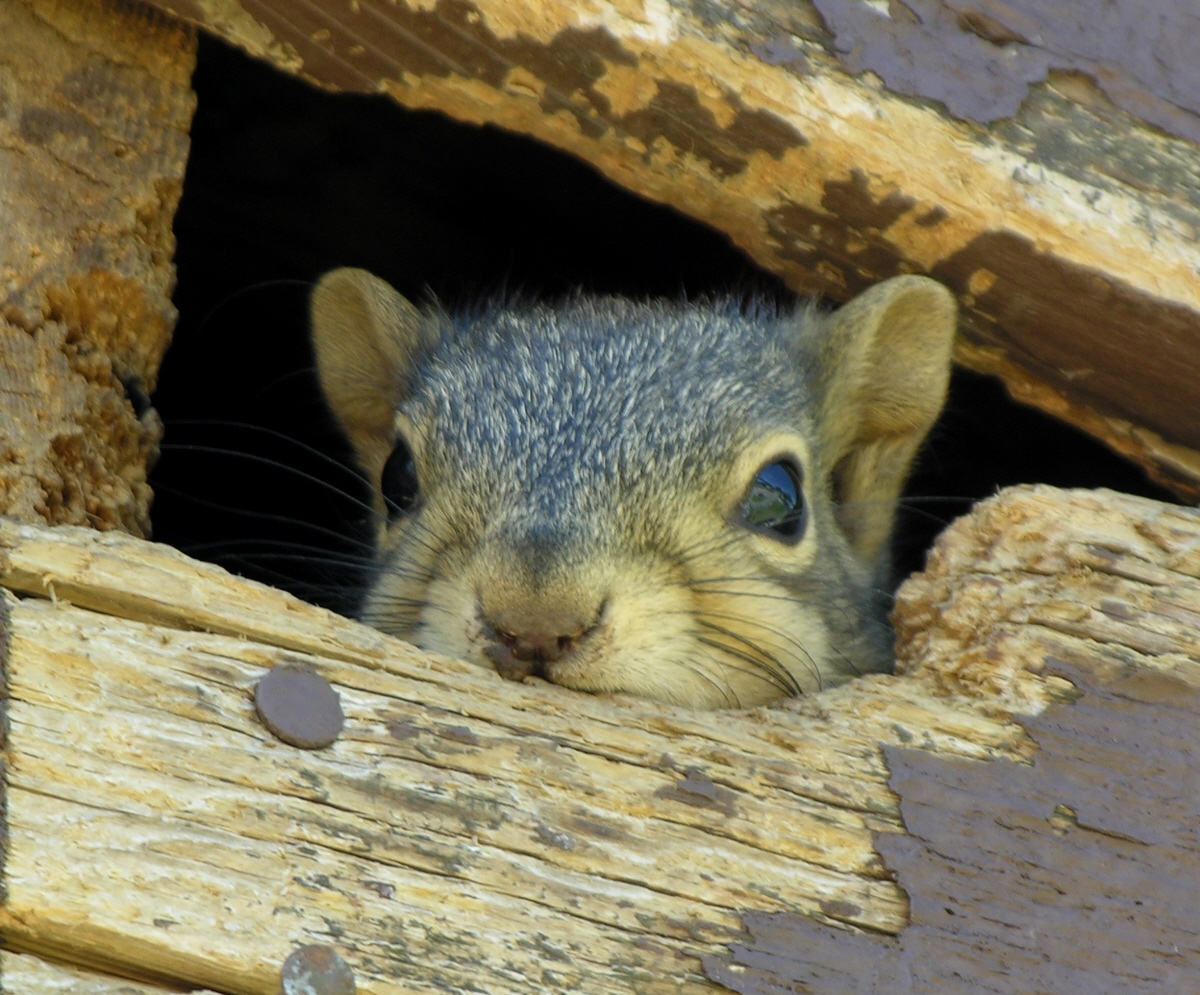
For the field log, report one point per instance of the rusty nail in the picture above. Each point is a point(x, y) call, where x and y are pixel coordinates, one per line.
point(298, 705)
point(316, 969)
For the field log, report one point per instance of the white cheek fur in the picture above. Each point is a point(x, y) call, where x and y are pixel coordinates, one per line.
point(661, 637)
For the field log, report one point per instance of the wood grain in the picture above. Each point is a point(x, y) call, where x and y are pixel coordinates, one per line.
point(1012, 808)
point(463, 830)
point(25, 974)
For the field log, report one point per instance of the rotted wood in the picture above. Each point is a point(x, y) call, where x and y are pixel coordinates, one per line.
point(93, 139)
point(990, 813)
point(1032, 157)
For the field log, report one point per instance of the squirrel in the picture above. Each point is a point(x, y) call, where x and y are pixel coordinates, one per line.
point(690, 502)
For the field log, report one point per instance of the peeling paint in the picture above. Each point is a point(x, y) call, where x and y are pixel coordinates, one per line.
point(676, 115)
point(780, 52)
point(698, 790)
point(707, 110)
point(1053, 311)
point(1075, 871)
point(981, 57)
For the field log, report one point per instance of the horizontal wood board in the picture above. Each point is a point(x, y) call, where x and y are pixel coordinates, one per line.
point(1066, 224)
point(1037, 740)
point(463, 831)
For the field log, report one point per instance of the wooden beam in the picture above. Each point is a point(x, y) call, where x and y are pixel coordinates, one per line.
point(465, 830)
point(984, 148)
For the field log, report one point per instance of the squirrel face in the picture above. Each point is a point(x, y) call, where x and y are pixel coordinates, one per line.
point(688, 502)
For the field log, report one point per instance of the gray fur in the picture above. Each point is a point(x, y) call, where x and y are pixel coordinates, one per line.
point(603, 402)
point(582, 469)
point(585, 426)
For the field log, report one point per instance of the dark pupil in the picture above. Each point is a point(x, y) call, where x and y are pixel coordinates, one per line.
point(774, 501)
point(399, 481)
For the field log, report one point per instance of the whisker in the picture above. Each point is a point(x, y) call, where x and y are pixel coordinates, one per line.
point(267, 461)
point(414, 531)
point(265, 516)
point(241, 292)
point(413, 572)
point(735, 579)
point(331, 594)
point(705, 547)
point(911, 506)
point(250, 554)
point(419, 604)
point(788, 638)
point(723, 688)
point(274, 434)
point(755, 664)
point(779, 675)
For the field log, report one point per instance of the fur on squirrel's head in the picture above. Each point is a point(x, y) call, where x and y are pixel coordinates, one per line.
point(689, 502)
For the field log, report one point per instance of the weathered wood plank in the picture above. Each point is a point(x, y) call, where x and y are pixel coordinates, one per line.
point(1066, 224)
point(24, 974)
point(519, 837)
point(93, 140)
point(464, 830)
point(1073, 873)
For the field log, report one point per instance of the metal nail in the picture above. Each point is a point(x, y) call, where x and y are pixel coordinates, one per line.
point(299, 706)
point(316, 969)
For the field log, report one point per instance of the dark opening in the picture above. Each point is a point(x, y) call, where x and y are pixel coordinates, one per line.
point(285, 182)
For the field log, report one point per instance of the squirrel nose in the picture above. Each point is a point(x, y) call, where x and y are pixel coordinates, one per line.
point(523, 644)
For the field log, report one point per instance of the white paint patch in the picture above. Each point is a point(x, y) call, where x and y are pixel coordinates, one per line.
point(657, 23)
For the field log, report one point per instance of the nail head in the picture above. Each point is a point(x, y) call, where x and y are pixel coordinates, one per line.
point(299, 706)
point(316, 969)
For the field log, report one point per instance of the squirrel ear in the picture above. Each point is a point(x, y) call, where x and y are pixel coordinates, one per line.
point(365, 336)
point(887, 361)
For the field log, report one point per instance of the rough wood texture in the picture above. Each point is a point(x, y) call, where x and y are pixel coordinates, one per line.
point(1076, 873)
point(464, 831)
point(93, 138)
point(24, 974)
point(522, 838)
point(1065, 223)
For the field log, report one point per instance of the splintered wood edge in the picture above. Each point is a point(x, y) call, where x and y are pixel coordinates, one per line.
point(1084, 565)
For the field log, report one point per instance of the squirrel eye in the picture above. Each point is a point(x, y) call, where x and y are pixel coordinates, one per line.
point(774, 503)
point(399, 481)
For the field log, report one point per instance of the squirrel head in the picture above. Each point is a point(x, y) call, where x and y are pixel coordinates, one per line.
point(689, 502)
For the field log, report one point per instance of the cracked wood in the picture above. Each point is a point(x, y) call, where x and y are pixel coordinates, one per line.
point(464, 830)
